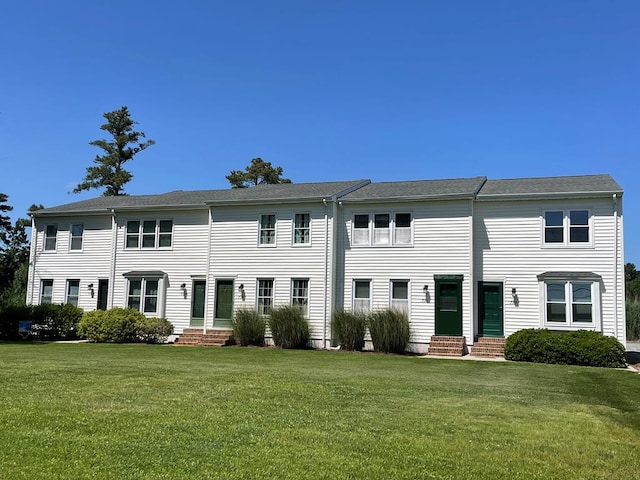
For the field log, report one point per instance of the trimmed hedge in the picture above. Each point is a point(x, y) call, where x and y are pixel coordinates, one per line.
point(390, 332)
point(289, 328)
point(49, 320)
point(118, 325)
point(581, 347)
point(349, 329)
point(249, 327)
point(154, 330)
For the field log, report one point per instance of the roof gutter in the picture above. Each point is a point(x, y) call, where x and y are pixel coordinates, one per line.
point(507, 197)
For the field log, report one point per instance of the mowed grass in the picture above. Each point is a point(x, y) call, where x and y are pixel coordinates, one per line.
point(161, 412)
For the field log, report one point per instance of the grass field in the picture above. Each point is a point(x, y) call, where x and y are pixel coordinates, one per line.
point(161, 412)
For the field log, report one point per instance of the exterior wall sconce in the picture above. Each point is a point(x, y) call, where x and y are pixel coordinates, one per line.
point(183, 287)
point(242, 292)
point(90, 288)
point(425, 290)
point(514, 294)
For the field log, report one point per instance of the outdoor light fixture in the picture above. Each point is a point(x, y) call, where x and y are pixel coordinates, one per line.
point(425, 289)
point(242, 294)
point(183, 287)
point(90, 288)
point(513, 292)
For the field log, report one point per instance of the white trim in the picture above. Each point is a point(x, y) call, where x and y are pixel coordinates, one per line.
point(566, 229)
point(353, 294)
point(293, 230)
point(275, 230)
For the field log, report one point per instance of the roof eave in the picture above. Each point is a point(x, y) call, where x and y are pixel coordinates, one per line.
point(546, 195)
point(411, 198)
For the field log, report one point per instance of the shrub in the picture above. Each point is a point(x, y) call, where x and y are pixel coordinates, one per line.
point(390, 332)
point(248, 327)
point(56, 320)
point(153, 330)
point(633, 320)
point(117, 325)
point(289, 328)
point(349, 329)
point(581, 347)
point(10, 316)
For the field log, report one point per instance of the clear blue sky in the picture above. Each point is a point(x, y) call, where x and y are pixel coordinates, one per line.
point(330, 90)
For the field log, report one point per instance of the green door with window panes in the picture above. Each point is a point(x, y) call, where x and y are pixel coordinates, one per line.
point(448, 304)
point(197, 303)
point(223, 304)
point(490, 301)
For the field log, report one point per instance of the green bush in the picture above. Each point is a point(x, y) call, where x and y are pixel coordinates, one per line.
point(633, 320)
point(117, 325)
point(289, 328)
point(56, 320)
point(249, 327)
point(349, 329)
point(153, 330)
point(390, 332)
point(581, 347)
point(10, 316)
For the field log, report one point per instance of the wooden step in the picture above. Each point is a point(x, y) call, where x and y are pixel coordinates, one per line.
point(488, 347)
point(447, 346)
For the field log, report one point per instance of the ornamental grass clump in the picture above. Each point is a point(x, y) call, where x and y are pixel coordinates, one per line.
point(289, 328)
point(389, 329)
point(633, 320)
point(249, 327)
point(349, 329)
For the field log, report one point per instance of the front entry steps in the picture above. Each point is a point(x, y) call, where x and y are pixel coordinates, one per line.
point(213, 338)
point(488, 347)
point(447, 346)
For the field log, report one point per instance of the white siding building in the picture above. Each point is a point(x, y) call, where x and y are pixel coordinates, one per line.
point(464, 257)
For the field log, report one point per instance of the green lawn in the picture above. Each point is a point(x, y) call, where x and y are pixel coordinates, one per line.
point(162, 412)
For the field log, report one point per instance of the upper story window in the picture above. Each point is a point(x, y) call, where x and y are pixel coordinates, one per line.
point(46, 291)
point(567, 227)
point(73, 292)
point(149, 234)
point(267, 230)
point(382, 229)
point(301, 229)
point(77, 231)
point(50, 237)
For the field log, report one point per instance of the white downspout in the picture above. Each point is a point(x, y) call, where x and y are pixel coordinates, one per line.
point(32, 262)
point(326, 273)
point(208, 277)
point(114, 248)
point(472, 286)
point(615, 268)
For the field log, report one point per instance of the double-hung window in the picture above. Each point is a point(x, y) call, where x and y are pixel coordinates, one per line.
point(267, 230)
point(567, 227)
point(362, 296)
point(149, 234)
point(143, 294)
point(77, 231)
point(301, 229)
point(300, 293)
point(46, 291)
point(265, 296)
point(571, 301)
point(50, 237)
point(400, 295)
point(73, 292)
point(382, 229)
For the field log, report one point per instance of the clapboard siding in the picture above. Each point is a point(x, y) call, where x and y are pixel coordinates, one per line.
point(187, 257)
point(88, 265)
point(441, 246)
point(236, 254)
point(508, 248)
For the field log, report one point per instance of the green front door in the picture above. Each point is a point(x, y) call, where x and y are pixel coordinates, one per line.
point(197, 303)
point(103, 293)
point(490, 320)
point(224, 304)
point(448, 304)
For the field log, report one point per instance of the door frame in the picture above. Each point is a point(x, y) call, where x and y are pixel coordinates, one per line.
point(226, 323)
point(448, 279)
point(481, 309)
point(101, 282)
point(193, 297)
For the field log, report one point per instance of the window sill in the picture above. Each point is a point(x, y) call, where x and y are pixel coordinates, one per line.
point(569, 327)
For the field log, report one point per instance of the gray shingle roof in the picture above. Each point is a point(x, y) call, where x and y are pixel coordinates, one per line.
point(551, 186)
point(291, 192)
point(419, 189)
